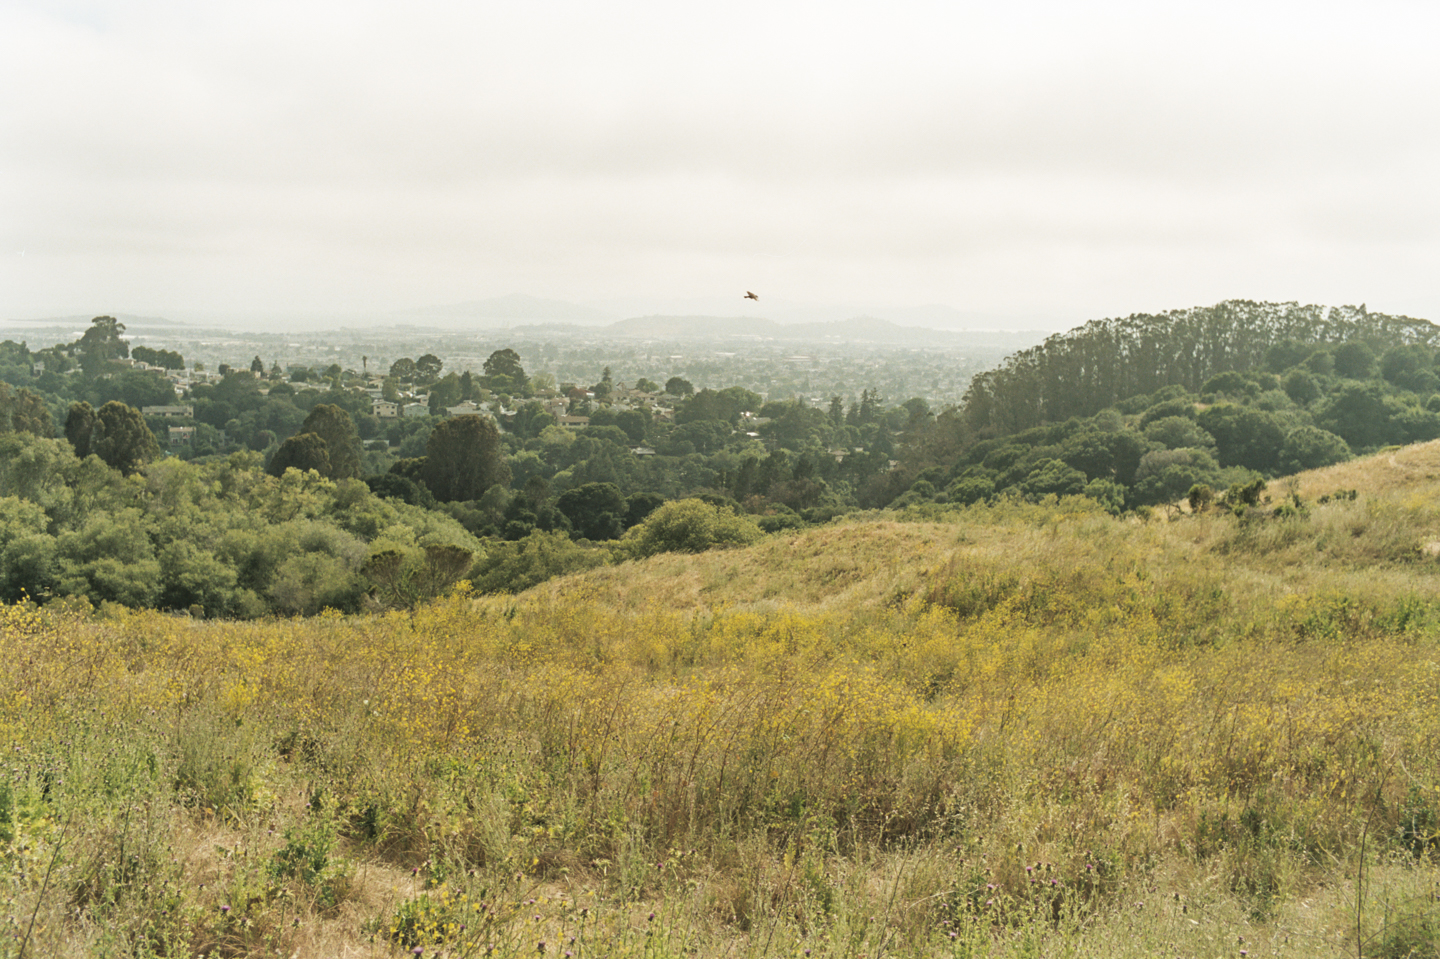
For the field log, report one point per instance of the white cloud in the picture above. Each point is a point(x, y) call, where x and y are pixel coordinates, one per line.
point(1067, 158)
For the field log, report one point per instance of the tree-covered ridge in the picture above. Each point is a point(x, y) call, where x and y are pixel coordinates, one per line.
point(1080, 372)
point(1233, 394)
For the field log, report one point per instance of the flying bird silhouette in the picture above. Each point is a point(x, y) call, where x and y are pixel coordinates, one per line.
point(750, 296)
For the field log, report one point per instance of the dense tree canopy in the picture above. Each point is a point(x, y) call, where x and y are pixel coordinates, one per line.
point(122, 439)
point(303, 451)
point(333, 425)
point(1081, 372)
point(504, 374)
point(24, 410)
point(165, 359)
point(464, 458)
point(102, 343)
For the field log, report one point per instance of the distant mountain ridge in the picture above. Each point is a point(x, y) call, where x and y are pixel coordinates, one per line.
point(517, 307)
point(656, 317)
point(859, 329)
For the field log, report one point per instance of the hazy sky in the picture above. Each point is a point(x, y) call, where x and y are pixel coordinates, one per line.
point(1068, 160)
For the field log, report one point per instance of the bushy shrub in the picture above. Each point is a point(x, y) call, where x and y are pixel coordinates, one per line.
point(513, 567)
point(690, 526)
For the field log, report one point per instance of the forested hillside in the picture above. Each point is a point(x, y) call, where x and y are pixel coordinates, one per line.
point(1136, 412)
point(1081, 372)
point(251, 490)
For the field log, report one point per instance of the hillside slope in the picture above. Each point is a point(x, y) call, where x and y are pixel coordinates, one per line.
point(1017, 730)
point(863, 564)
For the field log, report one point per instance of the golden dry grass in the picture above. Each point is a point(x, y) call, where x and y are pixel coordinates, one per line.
point(1017, 730)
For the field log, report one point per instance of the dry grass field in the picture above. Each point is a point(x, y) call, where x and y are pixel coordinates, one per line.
point(1021, 730)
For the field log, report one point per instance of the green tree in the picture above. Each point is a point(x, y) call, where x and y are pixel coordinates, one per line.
point(403, 369)
point(1300, 386)
point(1178, 432)
point(635, 423)
point(1244, 436)
point(428, 367)
point(121, 439)
point(1354, 360)
point(110, 557)
point(723, 406)
point(596, 510)
point(27, 550)
point(1409, 367)
point(165, 359)
point(80, 428)
point(1052, 477)
point(137, 388)
point(1309, 447)
point(406, 578)
point(101, 344)
point(257, 366)
point(797, 427)
point(444, 394)
point(640, 505)
point(678, 386)
point(1359, 415)
point(303, 451)
point(464, 457)
point(1168, 475)
point(24, 411)
point(342, 443)
point(504, 374)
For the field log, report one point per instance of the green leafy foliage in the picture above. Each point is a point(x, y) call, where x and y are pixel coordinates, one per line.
point(342, 444)
point(512, 567)
point(23, 410)
point(121, 438)
point(304, 451)
point(463, 459)
point(690, 526)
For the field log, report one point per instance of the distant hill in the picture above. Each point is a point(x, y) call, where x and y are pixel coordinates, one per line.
point(859, 329)
point(82, 321)
point(505, 311)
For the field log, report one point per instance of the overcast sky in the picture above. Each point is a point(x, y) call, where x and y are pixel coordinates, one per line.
point(1064, 160)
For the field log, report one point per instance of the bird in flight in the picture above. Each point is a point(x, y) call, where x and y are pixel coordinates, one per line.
point(750, 296)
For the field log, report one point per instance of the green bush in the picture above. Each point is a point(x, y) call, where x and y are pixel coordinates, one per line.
point(690, 526)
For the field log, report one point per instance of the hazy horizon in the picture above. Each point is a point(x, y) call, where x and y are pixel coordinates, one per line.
point(526, 311)
point(1041, 164)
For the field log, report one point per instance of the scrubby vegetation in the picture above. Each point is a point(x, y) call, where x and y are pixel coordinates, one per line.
point(1007, 730)
point(295, 496)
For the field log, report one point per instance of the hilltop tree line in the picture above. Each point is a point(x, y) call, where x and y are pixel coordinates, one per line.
point(1134, 412)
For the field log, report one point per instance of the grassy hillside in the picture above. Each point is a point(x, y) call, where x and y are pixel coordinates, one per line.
point(1014, 730)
